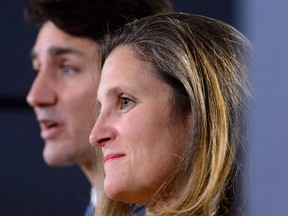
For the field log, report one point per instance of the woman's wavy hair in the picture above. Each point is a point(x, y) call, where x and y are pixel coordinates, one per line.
point(203, 60)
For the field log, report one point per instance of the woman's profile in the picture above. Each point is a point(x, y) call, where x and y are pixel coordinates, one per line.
point(172, 99)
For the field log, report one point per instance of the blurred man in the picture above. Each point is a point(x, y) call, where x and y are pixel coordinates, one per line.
point(64, 91)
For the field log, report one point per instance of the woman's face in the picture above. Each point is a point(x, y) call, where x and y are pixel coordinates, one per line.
point(140, 142)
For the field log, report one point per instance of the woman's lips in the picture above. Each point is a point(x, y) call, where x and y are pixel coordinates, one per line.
point(110, 157)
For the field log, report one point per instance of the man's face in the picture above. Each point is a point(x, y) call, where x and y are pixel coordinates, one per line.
point(63, 94)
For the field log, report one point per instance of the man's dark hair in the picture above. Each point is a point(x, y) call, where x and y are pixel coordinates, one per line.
point(92, 18)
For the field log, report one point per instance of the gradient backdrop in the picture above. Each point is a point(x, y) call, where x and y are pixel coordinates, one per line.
point(28, 187)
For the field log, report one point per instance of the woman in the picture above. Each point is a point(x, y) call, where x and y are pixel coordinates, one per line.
point(171, 97)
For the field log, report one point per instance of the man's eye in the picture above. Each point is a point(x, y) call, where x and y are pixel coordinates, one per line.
point(125, 103)
point(68, 69)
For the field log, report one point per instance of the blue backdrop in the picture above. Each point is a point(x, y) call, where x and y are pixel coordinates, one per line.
point(265, 23)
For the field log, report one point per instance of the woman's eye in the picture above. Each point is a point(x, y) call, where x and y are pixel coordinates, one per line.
point(125, 103)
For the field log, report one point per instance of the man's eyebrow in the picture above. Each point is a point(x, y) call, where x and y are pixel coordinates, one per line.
point(56, 51)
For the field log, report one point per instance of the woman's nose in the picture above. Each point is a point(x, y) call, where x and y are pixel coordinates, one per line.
point(102, 132)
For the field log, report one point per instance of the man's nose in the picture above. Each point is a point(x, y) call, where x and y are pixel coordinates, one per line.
point(42, 91)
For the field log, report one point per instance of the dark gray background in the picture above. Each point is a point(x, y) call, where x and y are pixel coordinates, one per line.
point(28, 187)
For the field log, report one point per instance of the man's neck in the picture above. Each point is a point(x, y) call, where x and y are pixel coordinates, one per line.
point(88, 168)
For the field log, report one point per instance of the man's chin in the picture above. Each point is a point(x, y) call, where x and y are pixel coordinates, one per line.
point(56, 159)
point(55, 163)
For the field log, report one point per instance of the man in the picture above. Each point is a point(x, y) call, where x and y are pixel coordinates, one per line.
point(64, 90)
